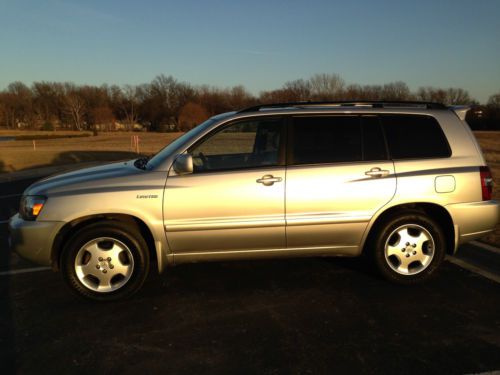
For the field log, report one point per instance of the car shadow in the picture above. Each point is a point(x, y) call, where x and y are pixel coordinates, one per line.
point(7, 322)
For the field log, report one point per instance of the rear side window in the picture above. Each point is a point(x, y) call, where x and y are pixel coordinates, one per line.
point(318, 140)
point(415, 137)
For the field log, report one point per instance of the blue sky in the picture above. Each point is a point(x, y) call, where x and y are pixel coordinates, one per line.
point(259, 44)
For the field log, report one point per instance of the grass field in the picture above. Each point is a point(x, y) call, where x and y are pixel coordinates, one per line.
point(20, 155)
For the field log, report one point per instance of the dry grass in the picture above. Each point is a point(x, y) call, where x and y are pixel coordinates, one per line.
point(19, 155)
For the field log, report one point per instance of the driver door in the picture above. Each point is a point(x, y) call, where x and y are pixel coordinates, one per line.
point(234, 199)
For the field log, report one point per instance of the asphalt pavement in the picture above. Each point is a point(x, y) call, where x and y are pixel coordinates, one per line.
point(318, 315)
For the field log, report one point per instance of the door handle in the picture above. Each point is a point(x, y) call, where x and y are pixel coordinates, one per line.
point(268, 180)
point(377, 172)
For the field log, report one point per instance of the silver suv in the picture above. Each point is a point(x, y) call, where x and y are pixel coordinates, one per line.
point(403, 182)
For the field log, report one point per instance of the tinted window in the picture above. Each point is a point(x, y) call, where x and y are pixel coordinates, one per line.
point(245, 144)
point(411, 137)
point(326, 140)
point(373, 139)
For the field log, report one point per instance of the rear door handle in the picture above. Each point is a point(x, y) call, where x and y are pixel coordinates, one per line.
point(377, 172)
point(268, 180)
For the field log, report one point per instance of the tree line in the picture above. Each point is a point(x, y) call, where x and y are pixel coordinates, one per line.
point(168, 104)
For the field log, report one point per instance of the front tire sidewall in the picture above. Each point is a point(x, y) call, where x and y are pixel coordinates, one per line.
point(129, 237)
point(439, 250)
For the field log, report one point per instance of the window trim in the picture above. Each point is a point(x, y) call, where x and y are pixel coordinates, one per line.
point(281, 149)
point(382, 130)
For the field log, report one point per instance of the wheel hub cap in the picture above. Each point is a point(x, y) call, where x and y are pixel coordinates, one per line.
point(409, 249)
point(104, 264)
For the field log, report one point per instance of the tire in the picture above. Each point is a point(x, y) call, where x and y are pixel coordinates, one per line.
point(105, 261)
point(409, 248)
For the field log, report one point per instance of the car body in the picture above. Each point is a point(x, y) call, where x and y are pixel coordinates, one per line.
point(275, 181)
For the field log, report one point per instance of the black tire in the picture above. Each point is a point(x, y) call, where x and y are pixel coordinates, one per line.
point(387, 234)
point(137, 255)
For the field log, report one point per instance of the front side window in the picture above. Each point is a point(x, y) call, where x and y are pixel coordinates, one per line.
point(325, 139)
point(246, 144)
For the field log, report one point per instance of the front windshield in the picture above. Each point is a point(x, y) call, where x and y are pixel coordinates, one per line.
point(171, 147)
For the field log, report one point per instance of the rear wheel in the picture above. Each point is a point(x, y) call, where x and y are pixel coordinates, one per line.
point(409, 248)
point(105, 261)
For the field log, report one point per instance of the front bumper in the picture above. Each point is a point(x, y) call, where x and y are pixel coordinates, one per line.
point(474, 220)
point(33, 240)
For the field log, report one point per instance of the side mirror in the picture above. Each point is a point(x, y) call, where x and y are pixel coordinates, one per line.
point(183, 164)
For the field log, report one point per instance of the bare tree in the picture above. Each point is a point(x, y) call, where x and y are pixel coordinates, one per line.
point(130, 104)
point(396, 91)
point(239, 97)
point(298, 90)
point(326, 86)
point(74, 107)
point(164, 98)
point(191, 115)
point(450, 96)
point(20, 107)
point(164, 101)
point(48, 99)
point(494, 101)
point(456, 96)
point(102, 116)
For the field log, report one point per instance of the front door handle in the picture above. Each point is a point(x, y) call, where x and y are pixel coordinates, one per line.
point(268, 180)
point(377, 172)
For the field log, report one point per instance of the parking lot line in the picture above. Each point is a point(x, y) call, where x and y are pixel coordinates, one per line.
point(485, 246)
point(474, 269)
point(24, 270)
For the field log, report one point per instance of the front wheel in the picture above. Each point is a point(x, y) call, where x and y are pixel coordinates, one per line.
point(105, 261)
point(409, 248)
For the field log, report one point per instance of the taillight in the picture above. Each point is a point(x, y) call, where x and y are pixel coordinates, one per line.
point(486, 183)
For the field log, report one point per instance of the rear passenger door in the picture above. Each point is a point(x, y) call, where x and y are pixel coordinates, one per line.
point(421, 155)
point(338, 176)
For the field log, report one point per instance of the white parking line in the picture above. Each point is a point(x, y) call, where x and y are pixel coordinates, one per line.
point(485, 246)
point(474, 269)
point(24, 270)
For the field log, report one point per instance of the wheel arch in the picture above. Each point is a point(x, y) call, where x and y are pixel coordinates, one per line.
point(70, 228)
point(435, 211)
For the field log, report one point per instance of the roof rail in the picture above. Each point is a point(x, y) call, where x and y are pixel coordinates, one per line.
point(362, 103)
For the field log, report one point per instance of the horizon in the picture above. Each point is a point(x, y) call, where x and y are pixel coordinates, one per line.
point(260, 46)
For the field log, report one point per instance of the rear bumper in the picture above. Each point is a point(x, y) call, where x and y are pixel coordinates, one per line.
point(33, 239)
point(473, 220)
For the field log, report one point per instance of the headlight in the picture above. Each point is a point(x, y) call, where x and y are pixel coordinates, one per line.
point(31, 206)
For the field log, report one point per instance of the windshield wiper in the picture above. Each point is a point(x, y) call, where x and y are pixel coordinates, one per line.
point(141, 163)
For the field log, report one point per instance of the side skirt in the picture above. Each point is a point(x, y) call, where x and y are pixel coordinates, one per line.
point(192, 257)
